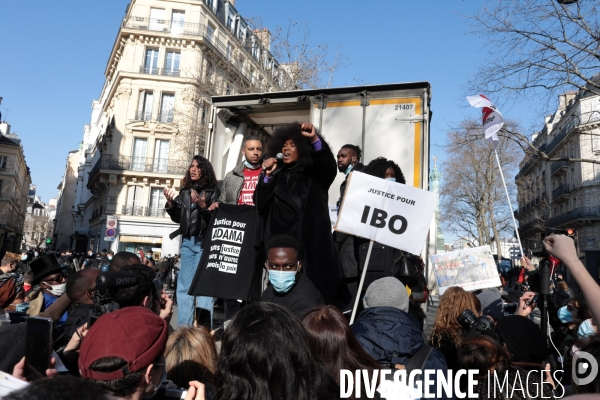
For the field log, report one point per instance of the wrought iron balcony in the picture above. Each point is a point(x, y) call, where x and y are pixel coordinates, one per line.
point(149, 70)
point(560, 191)
point(156, 212)
point(134, 211)
point(166, 117)
point(581, 213)
point(143, 115)
point(163, 25)
point(143, 164)
point(138, 211)
point(265, 60)
point(169, 72)
point(159, 71)
point(558, 166)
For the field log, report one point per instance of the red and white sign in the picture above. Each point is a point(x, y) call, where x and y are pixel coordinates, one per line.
point(111, 221)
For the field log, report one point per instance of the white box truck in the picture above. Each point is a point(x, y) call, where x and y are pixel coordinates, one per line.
point(391, 120)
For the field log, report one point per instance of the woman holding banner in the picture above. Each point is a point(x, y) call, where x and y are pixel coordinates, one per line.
point(190, 210)
point(291, 199)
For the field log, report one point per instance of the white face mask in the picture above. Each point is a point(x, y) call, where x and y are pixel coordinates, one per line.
point(57, 290)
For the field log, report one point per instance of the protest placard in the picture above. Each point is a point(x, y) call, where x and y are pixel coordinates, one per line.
point(387, 212)
point(470, 269)
point(227, 264)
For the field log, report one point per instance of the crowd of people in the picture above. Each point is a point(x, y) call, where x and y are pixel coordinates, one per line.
point(290, 338)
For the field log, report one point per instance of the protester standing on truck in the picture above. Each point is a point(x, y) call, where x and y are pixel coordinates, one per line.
point(348, 160)
point(238, 188)
point(190, 209)
point(291, 198)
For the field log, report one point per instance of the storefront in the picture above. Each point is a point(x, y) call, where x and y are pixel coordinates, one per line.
point(133, 243)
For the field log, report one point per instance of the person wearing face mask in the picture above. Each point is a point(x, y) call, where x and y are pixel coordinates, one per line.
point(291, 198)
point(24, 261)
point(47, 273)
point(288, 286)
point(383, 257)
point(80, 290)
point(123, 352)
point(348, 160)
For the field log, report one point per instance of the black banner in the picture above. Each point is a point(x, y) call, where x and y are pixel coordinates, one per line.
point(227, 263)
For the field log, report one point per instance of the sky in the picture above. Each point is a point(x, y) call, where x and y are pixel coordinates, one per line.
point(54, 54)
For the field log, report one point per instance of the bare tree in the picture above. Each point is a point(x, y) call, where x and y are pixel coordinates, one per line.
point(285, 60)
point(310, 65)
point(538, 47)
point(473, 202)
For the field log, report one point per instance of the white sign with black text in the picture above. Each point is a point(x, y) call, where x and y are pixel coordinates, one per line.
point(387, 212)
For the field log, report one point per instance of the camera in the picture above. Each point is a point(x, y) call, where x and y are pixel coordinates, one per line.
point(105, 292)
point(509, 308)
point(482, 324)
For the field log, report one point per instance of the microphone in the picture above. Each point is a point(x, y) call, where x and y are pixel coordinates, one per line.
point(278, 157)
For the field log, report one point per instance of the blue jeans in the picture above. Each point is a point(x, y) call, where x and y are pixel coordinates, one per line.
point(191, 251)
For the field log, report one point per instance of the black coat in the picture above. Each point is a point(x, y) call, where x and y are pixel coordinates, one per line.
point(301, 298)
point(392, 336)
point(294, 202)
point(192, 220)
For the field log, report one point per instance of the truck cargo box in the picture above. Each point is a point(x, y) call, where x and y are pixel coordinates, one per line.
point(391, 121)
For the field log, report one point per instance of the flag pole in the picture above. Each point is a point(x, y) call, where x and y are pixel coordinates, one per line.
point(512, 214)
point(362, 280)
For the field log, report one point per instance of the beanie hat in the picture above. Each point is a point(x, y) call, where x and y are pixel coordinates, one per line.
point(491, 303)
point(386, 292)
point(523, 337)
point(134, 334)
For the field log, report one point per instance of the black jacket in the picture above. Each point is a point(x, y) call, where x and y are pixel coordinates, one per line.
point(191, 219)
point(301, 298)
point(391, 336)
point(294, 202)
point(357, 167)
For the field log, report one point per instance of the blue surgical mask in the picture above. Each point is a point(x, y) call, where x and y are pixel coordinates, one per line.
point(349, 169)
point(564, 315)
point(109, 258)
point(586, 329)
point(250, 166)
point(148, 255)
point(282, 281)
point(24, 257)
point(22, 307)
point(391, 179)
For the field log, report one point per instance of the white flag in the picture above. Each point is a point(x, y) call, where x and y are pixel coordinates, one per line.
point(492, 119)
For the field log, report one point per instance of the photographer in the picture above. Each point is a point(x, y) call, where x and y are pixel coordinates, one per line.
point(448, 332)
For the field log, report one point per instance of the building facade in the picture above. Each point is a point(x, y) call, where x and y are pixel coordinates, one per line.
point(65, 204)
point(562, 194)
point(15, 179)
point(168, 59)
point(39, 223)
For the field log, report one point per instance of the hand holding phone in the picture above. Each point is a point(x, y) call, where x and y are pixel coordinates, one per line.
point(38, 351)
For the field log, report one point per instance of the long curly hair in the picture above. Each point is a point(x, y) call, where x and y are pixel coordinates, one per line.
point(284, 133)
point(207, 175)
point(378, 166)
point(453, 302)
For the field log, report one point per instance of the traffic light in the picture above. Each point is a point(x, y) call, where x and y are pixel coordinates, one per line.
point(48, 241)
point(570, 232)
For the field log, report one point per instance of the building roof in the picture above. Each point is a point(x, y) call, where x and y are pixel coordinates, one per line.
point(7, 141)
